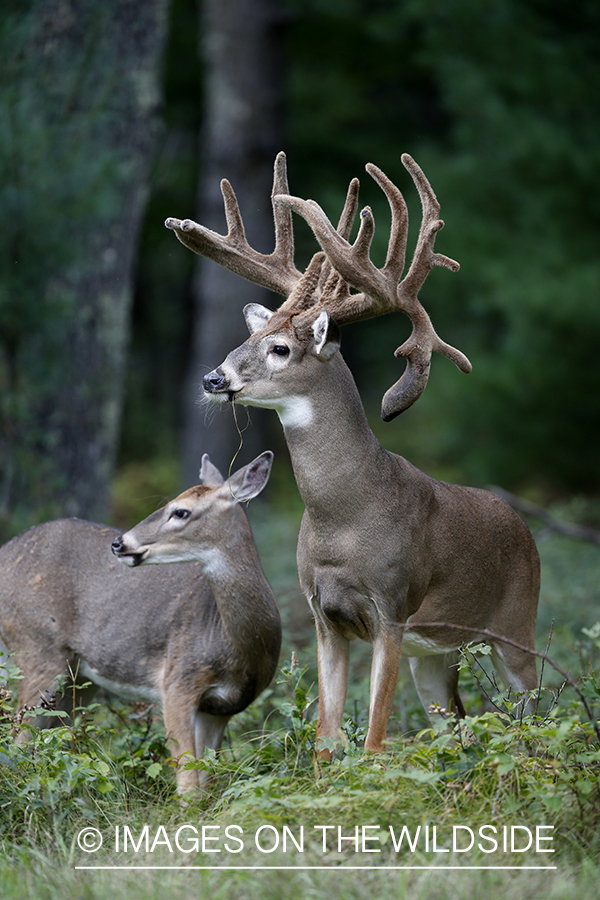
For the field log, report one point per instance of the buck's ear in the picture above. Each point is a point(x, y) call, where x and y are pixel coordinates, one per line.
point(209, 474)
point(249, 481)
point(327, 336)
point(256, 316)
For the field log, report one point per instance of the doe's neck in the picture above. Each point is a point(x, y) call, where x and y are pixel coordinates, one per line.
point(241, 591)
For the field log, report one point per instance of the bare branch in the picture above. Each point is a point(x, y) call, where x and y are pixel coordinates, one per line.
point(527, 508)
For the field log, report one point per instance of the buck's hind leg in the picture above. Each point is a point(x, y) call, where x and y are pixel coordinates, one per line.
point(518, 672)
point(208, 735)
point(436, 681)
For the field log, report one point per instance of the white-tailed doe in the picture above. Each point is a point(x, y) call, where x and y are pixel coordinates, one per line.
point(381, 543)
point(202, 639)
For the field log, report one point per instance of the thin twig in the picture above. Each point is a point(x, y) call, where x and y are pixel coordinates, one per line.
point(537, 702)
point(474, 664)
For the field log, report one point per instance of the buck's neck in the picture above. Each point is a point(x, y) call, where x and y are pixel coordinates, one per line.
point(332, 446)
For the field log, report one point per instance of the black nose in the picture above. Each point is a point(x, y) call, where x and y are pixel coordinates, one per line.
point(214, 381)
point(117, 545)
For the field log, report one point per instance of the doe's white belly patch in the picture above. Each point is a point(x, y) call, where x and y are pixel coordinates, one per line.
point(127, 691)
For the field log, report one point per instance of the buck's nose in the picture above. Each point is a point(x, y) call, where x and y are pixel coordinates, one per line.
point(117, 545)
point(214, 381)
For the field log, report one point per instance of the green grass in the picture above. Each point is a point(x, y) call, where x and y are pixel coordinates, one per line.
point(111, 770)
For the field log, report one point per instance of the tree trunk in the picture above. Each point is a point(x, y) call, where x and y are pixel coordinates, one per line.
point(242, 45)
point(93, 96)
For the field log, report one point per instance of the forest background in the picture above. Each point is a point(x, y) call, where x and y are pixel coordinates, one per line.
point(117, 115)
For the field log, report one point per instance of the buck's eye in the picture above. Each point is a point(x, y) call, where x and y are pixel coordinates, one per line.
point(180, 514)
point(280, 350)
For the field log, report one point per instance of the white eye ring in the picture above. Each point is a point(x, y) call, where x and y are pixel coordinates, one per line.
point(180, 514)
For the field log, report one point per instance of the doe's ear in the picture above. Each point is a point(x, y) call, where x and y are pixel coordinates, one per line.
point(209, 474)
point(249, 481)
point(327, 336)
point(256, 316)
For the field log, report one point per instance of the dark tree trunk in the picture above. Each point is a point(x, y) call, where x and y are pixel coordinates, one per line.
point(94, 93)
point(89, 414)
point(243, 54)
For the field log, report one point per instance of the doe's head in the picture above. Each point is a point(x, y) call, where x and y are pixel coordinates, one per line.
point(198, 523)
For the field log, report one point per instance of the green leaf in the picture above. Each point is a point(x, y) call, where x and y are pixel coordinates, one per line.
point(154, 770)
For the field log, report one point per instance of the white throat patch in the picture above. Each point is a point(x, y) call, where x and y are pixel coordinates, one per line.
point(295, 412)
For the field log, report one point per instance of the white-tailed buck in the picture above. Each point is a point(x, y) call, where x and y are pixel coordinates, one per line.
point(381, 543)
point(201, 638)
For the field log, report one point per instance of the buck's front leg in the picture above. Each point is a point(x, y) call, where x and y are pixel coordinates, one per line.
point(332, 655)
point(387, 650)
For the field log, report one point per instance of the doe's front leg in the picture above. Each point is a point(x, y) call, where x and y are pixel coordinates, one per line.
point(178, 715)
point(208, 734)
point(189, 731)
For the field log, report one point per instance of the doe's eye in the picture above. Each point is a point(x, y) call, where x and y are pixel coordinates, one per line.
point(280, 350)
point(180, 513)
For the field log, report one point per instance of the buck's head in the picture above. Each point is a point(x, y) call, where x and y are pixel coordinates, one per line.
point(276, 362)
point(277, 366)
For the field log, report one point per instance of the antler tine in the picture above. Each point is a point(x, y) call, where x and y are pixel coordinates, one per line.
point(348, 260)
point(424, 257)
point(347, 217)
point(275, 271)
point(284, 229)
point(378, 287)
point(349, 211)
point(329, 288)
point(396, 252)
point(329, 276)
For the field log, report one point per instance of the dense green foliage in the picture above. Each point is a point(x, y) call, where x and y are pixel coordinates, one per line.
point(498, 103)
point(498, 781)
point(112, 769)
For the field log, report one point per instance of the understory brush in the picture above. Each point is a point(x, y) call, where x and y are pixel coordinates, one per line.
point(503, 803)
point(496, 771)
